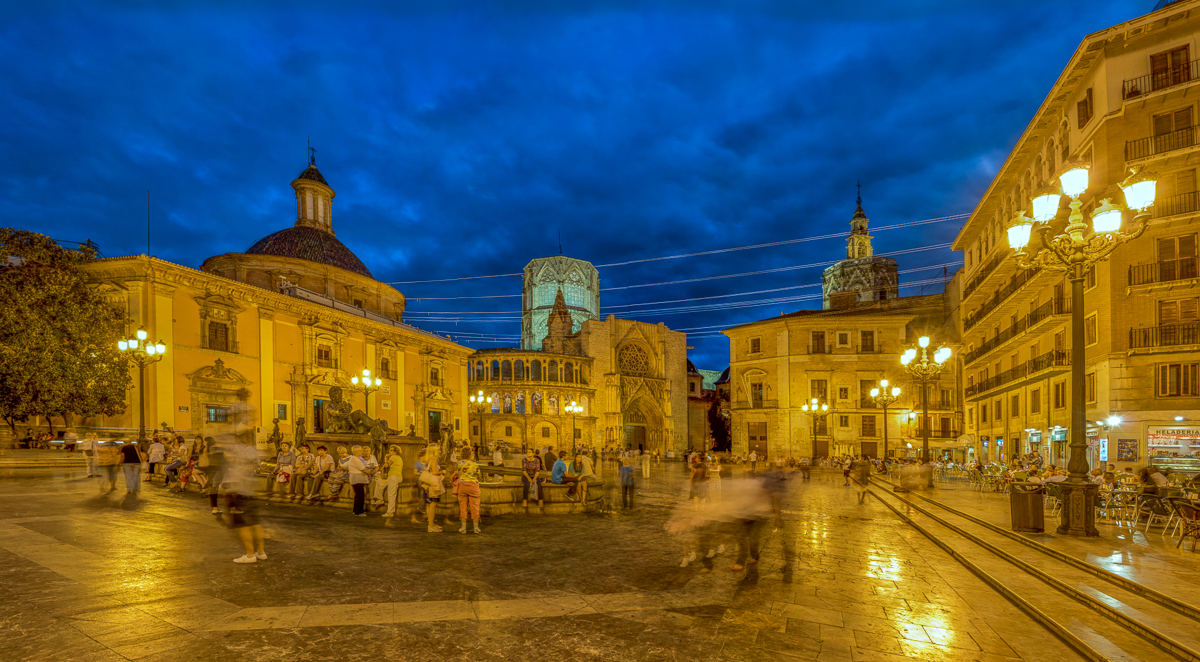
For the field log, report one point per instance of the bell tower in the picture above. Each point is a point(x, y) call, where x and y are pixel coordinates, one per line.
point(862, 276)
point(858, 244)
point(314, 198)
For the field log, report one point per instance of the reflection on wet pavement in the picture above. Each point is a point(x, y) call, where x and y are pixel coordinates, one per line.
point(90, 577)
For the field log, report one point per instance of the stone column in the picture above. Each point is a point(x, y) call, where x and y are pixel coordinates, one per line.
point(266, 371)
point(163, 371)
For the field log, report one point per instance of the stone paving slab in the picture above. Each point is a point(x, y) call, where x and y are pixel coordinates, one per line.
point(86, 576)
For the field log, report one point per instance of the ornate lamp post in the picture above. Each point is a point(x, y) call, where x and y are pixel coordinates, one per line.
point(573, 409)
point(884, 398)
point(816, 410)
point(143, 353)
point(1073, 250)
point(479, 403)
point(923, 372)
point(367, 385)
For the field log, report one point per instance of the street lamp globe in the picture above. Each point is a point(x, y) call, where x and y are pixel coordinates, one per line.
point(1114, 420)
point(151, 349)
point(1139, 189)
point(162, 349)
point(1074, 179)
point(923, 341)
point(1045, 204)
point(895, 391)
point(141, 334)
point(874, 393)
point(908, 356)
point(1107, 218)
point(122, 345)
point(1019, 231)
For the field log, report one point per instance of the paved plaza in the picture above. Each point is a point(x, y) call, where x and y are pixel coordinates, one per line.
point(90, 577)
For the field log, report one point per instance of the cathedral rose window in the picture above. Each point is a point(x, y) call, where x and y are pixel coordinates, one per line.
point(632, 360)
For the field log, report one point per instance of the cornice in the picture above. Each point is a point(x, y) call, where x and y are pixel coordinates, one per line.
point(133, 271)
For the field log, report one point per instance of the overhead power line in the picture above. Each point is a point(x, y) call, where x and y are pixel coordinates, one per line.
point(899, 226)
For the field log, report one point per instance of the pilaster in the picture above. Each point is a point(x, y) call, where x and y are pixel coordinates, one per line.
point(266, 369)
point(164, 371)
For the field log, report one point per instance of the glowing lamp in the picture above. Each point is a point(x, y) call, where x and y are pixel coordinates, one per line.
point(150, 350)
point(895, 391)
point(1114, 420)
point(122, 345)
point(1074, 179)
point(141, 334)
point(1106, 218)
point(923, 341)
point(162, 349)
point(1139, 190)
point(1045, 204)
point(1019, 231)
point(874, 392)
point(908, 356)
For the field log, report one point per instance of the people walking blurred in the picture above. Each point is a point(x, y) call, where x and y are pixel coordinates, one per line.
point(645, 460)
point(89, 446)
point(131, 464)
point(627, 487)
point(240, 475)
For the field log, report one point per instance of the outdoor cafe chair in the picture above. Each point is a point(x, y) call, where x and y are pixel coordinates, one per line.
point(1189, 516)
point(1154, 508)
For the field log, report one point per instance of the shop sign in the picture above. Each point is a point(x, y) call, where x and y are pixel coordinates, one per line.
point(1058, 435)
point(1162, 435)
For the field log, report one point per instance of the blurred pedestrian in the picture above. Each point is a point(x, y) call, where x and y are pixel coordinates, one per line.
point(699, 485)
point(89, 446)
point(109, 460)
point(156, 454)
point(131, 464)
point(240, 474)
point(714, 479)
point(645, 459)
point(627, 486)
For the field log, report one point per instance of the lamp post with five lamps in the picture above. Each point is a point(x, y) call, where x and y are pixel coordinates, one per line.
point(143, 354)
point(479, 403)
point(573, 409)
point(885, 397)
point(816, 410)
point(1073, 250)
point(367, 385)
point(923, 372)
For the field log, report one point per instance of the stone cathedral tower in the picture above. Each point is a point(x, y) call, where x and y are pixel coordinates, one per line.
point(547, 278)
point(861, 276)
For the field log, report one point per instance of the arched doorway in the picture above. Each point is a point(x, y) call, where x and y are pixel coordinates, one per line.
point(643, 427)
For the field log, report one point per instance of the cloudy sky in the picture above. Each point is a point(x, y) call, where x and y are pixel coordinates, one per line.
point(463, 137)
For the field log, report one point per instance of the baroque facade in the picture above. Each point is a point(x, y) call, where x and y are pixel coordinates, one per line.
point(861, 276)
point(837, 355)
point(629, 377)
point(289, 321)
point(1125, 100)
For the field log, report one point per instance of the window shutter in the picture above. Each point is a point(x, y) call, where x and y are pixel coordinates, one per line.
point(1159, 63)
point(1183, 118)
point(1166, 249)
point(1162, 124)
point(1179, 58)
point(1188, 310)
point(1187, 246)
point(1168, 312)
point(1185, 182)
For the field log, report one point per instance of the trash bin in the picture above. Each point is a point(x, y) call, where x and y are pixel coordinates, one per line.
point(1025, 502)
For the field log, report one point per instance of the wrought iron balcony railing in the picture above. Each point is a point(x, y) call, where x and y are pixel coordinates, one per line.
point(1165, 335)
point(1053, 358)
point(1058, 306)
point(982, 274)
point(1015, 283)
point(1162, 272)
point(1183, 203)
point(1160, 144)
point(1161, 80)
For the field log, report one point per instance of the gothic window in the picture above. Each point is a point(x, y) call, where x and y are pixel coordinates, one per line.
point(495, 403)
point(506, 371)
point(632, 360)
point(537, 403)
point(554, 405)
point(508, 402)
point(325, 356)
point(535, 370)
point(495, 370)
point(520, 403)
point(553, 370)
point(568, 372)
point(218, 336)
point(519, 369)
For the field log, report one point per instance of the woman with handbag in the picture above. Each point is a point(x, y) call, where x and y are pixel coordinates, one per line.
point(466, 486)
point(285, 466)
point(530, 467)
point(429, 478)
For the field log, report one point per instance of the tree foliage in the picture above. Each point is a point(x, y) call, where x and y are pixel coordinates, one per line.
point(718, 423)
point(58, 337)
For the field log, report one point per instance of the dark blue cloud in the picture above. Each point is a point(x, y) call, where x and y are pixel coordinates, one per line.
point(463, 138)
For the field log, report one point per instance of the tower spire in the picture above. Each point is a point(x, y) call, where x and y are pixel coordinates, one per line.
point(860, 209)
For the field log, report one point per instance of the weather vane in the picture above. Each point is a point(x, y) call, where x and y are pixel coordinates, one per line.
point(312, 154)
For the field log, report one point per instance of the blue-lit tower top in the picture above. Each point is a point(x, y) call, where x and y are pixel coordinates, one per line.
point(544, 277)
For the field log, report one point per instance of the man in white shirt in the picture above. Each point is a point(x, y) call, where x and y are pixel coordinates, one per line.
point(645, 465)
point(753, 459)
point(358, 480)
point(89, 446)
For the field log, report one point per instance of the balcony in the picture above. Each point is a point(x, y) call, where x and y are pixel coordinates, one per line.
point(877, 348)
point(935, 434)
point(1161, 80)
point(1015, 283)
point(386, 374)
point(982, 274)
point(1183, 203)
point(820, 349)
point(1161, 144)
point(1060, 306)
point(1165, 335)
point(1051, 359)
point(1162, 272)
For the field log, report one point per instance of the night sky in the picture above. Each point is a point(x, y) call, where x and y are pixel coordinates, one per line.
point(462, 138)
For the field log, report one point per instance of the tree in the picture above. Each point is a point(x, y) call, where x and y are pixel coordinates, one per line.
point(58, 337)
point(718, 423)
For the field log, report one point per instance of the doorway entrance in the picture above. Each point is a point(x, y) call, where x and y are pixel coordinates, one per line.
point(757, 434)
point(870, 449)
point(318, 424)
point(635, 437)
point(820, 448)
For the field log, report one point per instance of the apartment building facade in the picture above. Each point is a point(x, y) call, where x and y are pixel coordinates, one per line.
point(1126, 100)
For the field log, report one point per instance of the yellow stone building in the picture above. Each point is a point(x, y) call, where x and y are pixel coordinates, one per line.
point(1125, 100)
point(291, 320)
point(837, 355)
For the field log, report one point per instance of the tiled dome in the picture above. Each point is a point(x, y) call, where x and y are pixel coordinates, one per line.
point(312, 244)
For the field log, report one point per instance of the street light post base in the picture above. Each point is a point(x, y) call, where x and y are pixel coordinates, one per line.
point(1078, 509)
